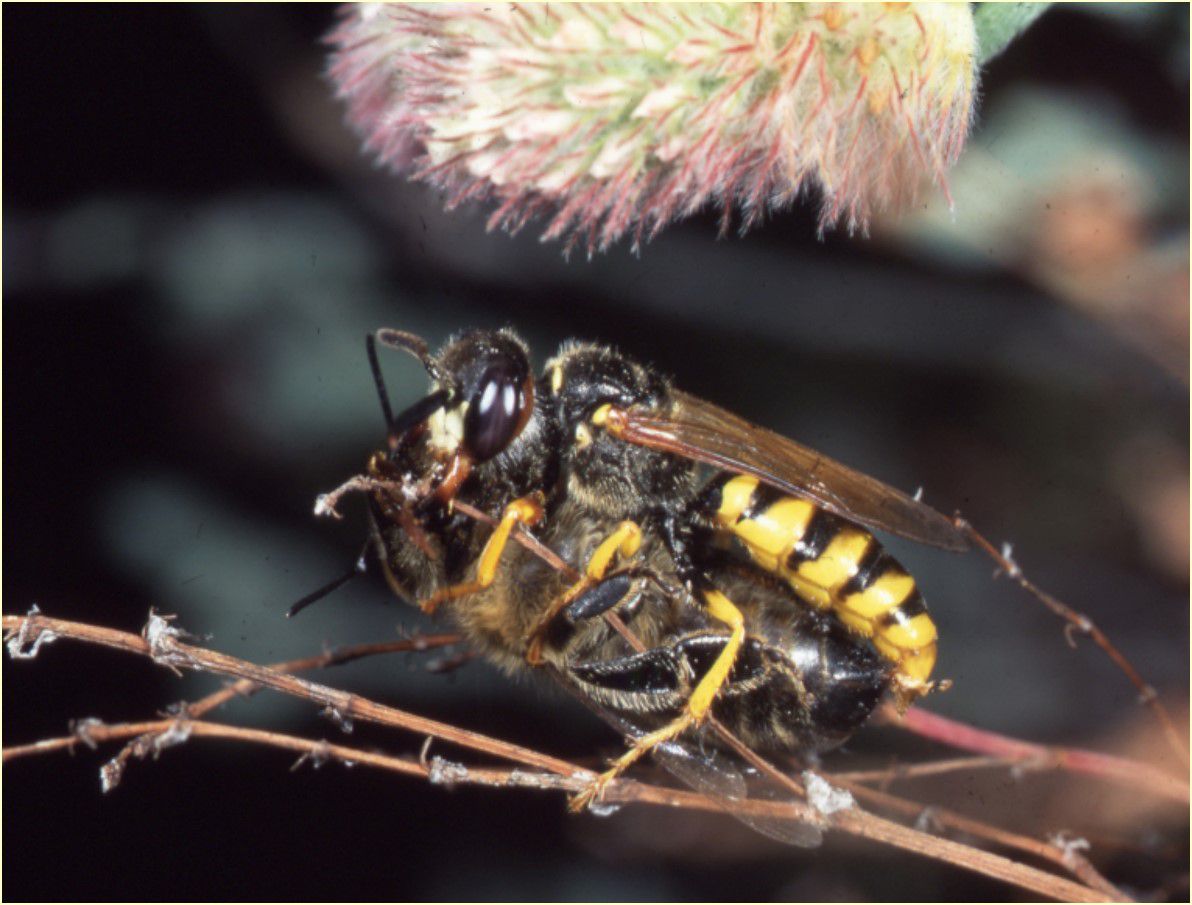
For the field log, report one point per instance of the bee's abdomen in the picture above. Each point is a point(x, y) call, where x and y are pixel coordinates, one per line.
point(832, 564)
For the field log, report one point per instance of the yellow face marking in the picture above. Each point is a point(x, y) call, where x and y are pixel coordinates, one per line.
point(583, 436)
point(556, 380)
point(446, 428)
point(600, 416)
point(887, 592)
point(838, 563)
point(734, 497)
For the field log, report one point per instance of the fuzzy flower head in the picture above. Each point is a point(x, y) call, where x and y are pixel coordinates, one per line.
point(619, 118)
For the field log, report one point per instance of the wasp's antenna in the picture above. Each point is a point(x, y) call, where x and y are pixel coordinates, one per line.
point(411, 417)
point(406, 342)
point(412, 345)
point(358, 568)
point(370, 343)
point(419, 411)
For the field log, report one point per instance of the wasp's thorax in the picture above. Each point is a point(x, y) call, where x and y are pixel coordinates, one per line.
point(613, 478)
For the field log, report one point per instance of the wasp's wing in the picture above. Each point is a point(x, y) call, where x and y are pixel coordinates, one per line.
point(699, 430)
point(714, 776)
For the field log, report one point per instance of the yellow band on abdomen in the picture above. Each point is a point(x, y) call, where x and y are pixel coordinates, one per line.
point(834, 564)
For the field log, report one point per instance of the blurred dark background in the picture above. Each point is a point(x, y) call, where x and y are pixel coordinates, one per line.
point(194, 250)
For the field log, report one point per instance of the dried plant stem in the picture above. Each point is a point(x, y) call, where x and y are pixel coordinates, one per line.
point(628, 792)
point(898, 772)
point(174, 653)
point(523, 536)
point(94, 734)
point(976, 828)
point(1066, 858)
point(1079, 622)
point(165, 649)
point(864, 824)
point(1036, 756)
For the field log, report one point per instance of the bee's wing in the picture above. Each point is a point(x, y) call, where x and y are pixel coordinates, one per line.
point(706, 433)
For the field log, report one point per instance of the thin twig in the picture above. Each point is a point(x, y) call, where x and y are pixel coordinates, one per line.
point(624, 792)
point(1036, 756)
point(629, 792)
point(931, 768)
point(90, 733)
point(862, 823)
point(165, 648)
point(171, 652)
point(1079, 622)
point(949, 819)
point(1086, 872)
point(523, 536)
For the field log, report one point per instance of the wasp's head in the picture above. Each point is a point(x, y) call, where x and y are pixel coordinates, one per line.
point(478, 422)
point(475, 435)
point(489, 394)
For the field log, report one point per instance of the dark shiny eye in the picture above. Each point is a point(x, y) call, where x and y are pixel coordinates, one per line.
point(498, 411)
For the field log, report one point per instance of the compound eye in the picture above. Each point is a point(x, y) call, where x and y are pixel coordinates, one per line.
point(498, 411)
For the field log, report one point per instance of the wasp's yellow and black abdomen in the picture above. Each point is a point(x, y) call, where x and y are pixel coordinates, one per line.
point(832, 564)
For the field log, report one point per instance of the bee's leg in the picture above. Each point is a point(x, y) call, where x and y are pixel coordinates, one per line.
point(602, 597)
point(695, 711)
point(622, 591)
point(524, 511)
point(625, 541)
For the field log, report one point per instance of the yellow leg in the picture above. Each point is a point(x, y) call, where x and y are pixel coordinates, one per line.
point(698, 704)
point(522, 511)
point(626, 540)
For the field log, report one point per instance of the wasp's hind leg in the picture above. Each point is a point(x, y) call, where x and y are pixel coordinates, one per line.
point(523, 511)
point(696, 707)
point(625, 541)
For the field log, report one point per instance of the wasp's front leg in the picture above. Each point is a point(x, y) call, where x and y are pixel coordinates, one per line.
point(625, 541)
point(523, 511)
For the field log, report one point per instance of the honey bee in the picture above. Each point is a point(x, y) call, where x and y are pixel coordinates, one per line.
point(740, 561)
